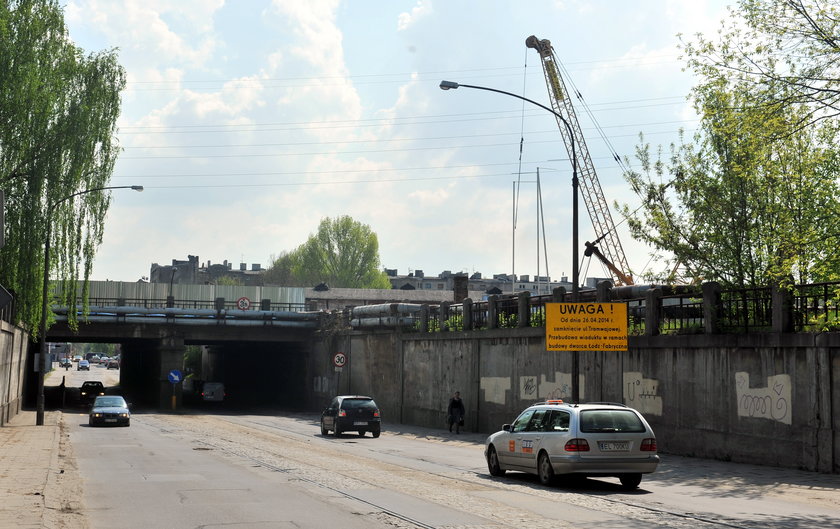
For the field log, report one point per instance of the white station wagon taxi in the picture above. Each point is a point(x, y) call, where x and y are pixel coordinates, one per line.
point(595, 439)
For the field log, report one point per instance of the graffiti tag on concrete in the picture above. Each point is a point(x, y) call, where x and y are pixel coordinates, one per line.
point(533, 388)
point(641, 393)
point(771, 402)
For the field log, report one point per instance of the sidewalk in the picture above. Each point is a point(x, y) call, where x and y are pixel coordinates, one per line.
point(39, 484)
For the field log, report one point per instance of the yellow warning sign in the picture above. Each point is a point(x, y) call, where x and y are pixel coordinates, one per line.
point(586, 326)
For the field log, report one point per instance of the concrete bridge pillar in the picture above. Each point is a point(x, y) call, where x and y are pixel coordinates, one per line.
point(211, 364)
point(170, 352)
point(133, 372)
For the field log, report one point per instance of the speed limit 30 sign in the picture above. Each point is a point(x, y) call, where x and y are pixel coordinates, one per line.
point(339, 359)
point(243, 303)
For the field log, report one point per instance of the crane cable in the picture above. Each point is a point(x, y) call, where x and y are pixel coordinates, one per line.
point(591, 115)
point(518, 182)
point(521, 143)
point(602, 134)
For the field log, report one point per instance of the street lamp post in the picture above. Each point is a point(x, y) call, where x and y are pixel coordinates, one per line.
point(170, 299)
point(42, 360)
point(450, 85)
point(447, 85)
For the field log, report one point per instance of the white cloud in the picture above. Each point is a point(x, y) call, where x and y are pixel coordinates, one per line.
point(422, 9)
point(146, 27)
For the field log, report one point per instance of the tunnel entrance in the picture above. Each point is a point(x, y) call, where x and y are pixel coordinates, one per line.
point(80, 371)
point(257, 375)
point(253, 376)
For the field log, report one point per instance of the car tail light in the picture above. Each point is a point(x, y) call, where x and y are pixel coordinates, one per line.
point(342, 413)
point(376, 413)
point(648, 445)
point(577, 445)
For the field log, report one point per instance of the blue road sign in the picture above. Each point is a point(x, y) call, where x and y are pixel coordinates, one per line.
point(174, 376)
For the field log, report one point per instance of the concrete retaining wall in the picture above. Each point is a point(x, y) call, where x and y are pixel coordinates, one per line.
point(769, 399)
point(13, 346)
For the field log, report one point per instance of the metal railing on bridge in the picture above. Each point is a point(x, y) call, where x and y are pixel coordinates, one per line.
point(127, 314)
point(186, 304)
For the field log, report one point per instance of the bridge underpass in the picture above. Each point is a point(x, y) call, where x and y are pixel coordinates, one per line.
point(261, 356)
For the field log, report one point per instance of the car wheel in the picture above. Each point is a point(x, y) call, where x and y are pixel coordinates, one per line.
point(336, 430)
point(545, 470)
point(127, 423)
point(630, 481)
point(90, 422)
point(324, 430)
point(493, 463)
point(375, 432)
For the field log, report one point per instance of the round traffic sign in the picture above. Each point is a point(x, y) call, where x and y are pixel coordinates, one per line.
point(339, 359)
point(243, 303)
point(174, 376)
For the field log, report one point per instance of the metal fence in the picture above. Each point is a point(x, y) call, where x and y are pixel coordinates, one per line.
point(814, 307)
point(746, 310)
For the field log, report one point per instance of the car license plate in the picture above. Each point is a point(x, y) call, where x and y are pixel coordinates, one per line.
point(110, 420)
point(360, 423)
point(614, 446)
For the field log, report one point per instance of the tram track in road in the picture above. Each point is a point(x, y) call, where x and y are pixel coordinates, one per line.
point(298, 477)
point(324, 473)
point(688, 516)
point(340, 492)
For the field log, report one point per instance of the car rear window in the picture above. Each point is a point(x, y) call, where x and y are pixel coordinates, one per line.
point(593, 421)
point(352, 404)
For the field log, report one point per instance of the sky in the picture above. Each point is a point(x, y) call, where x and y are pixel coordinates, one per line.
point(249, 121)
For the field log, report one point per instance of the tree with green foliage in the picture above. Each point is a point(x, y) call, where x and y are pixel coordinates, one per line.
point(786, 49)
point(58, 114)
point(754, 198)
point(344, 253)
point(280, 272)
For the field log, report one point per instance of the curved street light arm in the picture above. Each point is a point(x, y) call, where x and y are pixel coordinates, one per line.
point(452, 85)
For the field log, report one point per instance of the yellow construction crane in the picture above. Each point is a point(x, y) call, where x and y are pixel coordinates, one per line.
point(593, 196)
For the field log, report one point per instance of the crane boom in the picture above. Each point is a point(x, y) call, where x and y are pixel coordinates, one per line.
point(593, 196)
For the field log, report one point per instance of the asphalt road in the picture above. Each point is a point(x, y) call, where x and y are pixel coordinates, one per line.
point(73, 378)
point(277, 471)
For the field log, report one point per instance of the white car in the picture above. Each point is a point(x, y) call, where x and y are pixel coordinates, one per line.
point(214, 391)
point(596, 439)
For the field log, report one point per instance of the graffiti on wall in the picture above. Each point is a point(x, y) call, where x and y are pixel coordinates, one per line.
point(640, 393)
point(771, 402)
point(532, 387)
point(495, 389)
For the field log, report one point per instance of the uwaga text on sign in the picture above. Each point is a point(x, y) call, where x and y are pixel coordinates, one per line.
point(586, 326)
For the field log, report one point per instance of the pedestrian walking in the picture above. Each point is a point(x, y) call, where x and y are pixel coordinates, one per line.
point(455, 412)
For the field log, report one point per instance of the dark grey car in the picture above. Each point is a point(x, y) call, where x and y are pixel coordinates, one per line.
point(351, 413)
point(109, 409)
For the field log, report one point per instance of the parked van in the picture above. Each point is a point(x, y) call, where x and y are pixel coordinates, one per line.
point(213, 391)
